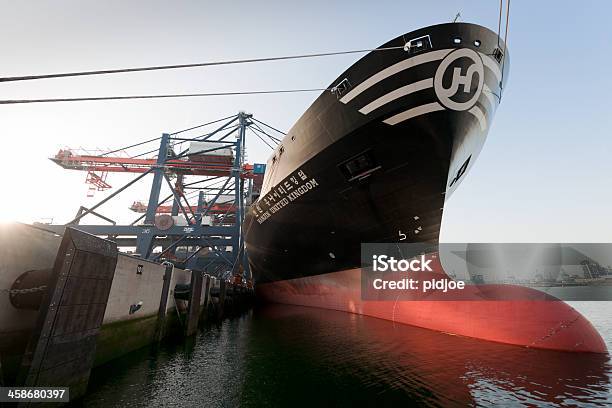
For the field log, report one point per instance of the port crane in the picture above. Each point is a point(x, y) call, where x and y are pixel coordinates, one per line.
point(205, 235)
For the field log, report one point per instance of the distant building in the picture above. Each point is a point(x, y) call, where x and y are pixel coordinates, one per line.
point(593, 270)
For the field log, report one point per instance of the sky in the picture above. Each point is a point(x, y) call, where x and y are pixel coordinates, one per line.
point(543, 175)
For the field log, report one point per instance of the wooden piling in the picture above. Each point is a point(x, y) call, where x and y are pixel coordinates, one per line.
point(193, 311)
point(222, 291)
point(207, 283)
point(206, 297)
point(163, 304)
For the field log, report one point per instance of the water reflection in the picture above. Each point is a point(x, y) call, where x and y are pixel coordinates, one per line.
point(341, 359)
point(293, 356)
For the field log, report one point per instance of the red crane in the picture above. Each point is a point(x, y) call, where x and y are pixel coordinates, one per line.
point(140, 207)
point(98, 167)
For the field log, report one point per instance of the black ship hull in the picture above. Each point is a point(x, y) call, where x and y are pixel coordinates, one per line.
point(375, 159)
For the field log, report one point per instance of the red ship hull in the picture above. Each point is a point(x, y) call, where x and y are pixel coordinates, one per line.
point(542, 324)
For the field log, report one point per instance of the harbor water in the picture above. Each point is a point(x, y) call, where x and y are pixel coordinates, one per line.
point(283, 355)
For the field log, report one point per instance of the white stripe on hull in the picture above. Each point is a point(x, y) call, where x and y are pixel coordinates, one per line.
point(397, 93)
point(482, 120)
point(394, 69)
point(434, 107)
point(490, 97)
point(419, 86)
point(492, 65)
point(411, 113)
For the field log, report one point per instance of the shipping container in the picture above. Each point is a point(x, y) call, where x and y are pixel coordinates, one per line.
point(225, 199)
point(179, 220)
point(259, 168)
point(207, 220)
point(200, 149)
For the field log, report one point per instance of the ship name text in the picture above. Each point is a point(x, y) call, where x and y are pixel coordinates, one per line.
point(283, 194)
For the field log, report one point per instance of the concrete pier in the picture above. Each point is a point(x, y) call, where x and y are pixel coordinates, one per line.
point(101, 305)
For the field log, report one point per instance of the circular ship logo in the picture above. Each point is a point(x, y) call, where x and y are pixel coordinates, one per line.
point(464, 90)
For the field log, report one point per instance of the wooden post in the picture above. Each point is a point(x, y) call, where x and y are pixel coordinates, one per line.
point(206, 289)
point(193, 312)
point(163, 303)
point(222, 289)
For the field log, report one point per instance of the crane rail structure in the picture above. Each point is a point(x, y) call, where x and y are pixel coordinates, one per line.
point(203, 236)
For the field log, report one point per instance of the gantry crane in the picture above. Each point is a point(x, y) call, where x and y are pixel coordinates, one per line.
point(182, 232)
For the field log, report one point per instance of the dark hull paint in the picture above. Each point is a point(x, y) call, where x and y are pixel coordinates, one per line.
point(321, 230)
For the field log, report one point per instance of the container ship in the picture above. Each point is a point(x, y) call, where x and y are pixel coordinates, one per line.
point(374, 161)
